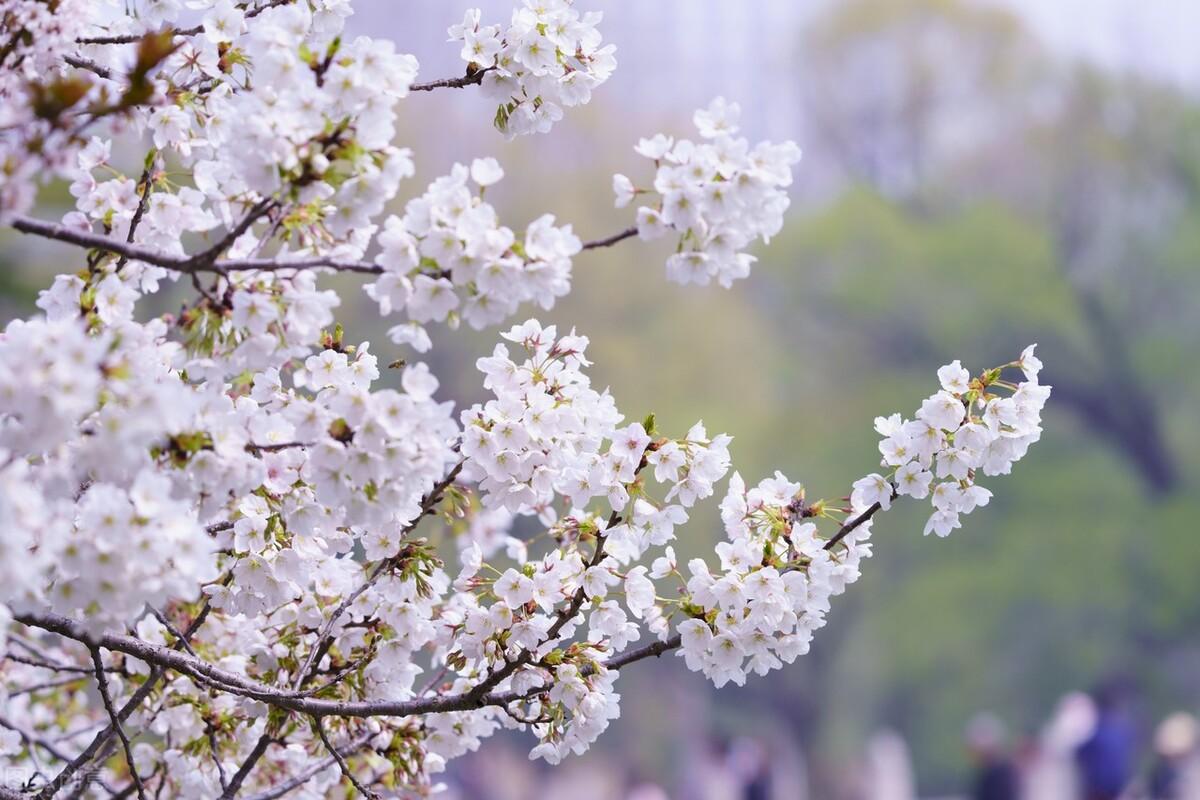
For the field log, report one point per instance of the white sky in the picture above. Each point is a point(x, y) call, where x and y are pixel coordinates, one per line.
point(1158, 37)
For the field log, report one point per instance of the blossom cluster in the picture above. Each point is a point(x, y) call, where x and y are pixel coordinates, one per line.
point(718, 195)
point(773, 588)
point(778, 573)
point(33, 146)
point(963, 429)
point(105, 531)
point(549, 57)
point(449, 258)
point(549, 444)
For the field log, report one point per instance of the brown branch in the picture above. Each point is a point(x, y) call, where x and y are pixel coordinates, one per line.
point(851, 525)
point(46, 664)
point(470, 79)
point(41, 687)
point(256, 449)
point(106, 698)
point(610, 240)
point(185, 264)
point(171, 629)
point(297, 781)
point(164, 658)
point(143, 203)
point(653, 650)
point(564, 616)
point(105, 735)
point(213, 749)
point(239, 777)
point(208, 260)
point(319, 724)
point(34, 740)
point(91, 66)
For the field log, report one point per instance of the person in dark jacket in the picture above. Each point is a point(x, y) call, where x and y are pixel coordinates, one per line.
point(1106, 758)
point(995, 776)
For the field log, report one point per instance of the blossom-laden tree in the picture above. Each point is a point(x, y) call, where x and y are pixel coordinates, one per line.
point(229, 566)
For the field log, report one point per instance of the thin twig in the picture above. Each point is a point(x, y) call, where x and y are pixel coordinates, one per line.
point(105, 735)
point(319, 724)
point(239, 777)
point(609, 241)
point(851, 525)
point(41, 687)
point(207, 261)
point(297, 781)
point(143, 202)
point(216, 757)
point(91, 66)
point(46, 664)
point(171, 629)
point(102, 683)
point(470, 79)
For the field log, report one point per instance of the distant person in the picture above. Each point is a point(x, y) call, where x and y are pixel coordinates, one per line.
point(709, 776)
point(995, 776)
point(1173, 774)
point(749, 762)
point(1051, 773)
point(1106, 759)
point(889, 773)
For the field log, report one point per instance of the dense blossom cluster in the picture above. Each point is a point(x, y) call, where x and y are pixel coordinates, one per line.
point(245, 558)
point(449, 258)
point(718, 195)
point(773, 588)
point(962, 429)
point(542, 434)
point(549, 57)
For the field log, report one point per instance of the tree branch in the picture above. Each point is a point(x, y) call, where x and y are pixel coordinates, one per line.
point(319, 724)
point(102, 684)
point(239, 777)
point(653, 650)
point(216, 758)
point(186, 264)
point(470, 79)
point(851, 525)
point(91, 66)
point(310, 773)
point(611, 240)
point(564, 616)
point(164, 658)
point(101, 738)
point(207, 261)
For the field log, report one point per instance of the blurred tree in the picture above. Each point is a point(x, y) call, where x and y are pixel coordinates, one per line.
point(992, 196)
point(1106, 167)
point(883, 101)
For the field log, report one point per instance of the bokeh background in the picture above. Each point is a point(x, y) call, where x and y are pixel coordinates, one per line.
point(977, 176)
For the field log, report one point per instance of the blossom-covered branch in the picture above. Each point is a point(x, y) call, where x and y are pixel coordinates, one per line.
point(188, 264)
point(233, 563)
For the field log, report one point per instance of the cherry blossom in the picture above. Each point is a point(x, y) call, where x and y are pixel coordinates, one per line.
point(718, 195)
